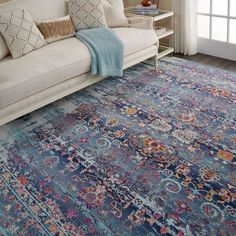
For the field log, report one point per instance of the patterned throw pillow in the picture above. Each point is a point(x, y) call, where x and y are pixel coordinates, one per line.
point(4, 51)
point(87, 14)
point(20, 33)
point(56, 29)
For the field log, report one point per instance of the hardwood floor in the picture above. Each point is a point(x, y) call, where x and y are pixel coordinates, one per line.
point(211, 61)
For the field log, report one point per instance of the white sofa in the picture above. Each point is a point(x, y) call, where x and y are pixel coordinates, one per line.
point(60, 68)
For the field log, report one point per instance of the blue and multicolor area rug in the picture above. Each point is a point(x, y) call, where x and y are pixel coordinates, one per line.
point(140, 155)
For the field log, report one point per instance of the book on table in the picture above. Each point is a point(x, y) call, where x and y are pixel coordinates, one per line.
point(156, 12)
point(151, 10)
point(160, 30)
point(141, 7)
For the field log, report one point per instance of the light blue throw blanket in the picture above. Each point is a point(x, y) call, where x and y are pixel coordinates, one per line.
point(106, 49)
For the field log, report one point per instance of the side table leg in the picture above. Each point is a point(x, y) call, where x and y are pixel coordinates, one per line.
point(156, 62)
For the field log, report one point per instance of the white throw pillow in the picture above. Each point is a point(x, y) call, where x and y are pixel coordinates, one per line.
point(4, 51)
point(87, 14)
point(20, 33)
point(114, 12)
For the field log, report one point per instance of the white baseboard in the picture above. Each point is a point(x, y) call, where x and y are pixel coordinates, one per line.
point(217, 49)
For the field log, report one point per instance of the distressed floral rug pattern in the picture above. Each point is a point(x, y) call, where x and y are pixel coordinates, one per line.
point(140, 155)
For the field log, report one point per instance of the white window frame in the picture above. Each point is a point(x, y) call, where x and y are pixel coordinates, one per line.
point(213, 47)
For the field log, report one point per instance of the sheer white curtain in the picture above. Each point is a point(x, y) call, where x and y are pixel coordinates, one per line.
point(185, 26)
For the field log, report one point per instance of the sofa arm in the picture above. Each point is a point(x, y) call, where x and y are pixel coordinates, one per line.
point(140, 22)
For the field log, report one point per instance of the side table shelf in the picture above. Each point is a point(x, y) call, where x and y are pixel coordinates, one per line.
point(163, 50)
point(165, 34)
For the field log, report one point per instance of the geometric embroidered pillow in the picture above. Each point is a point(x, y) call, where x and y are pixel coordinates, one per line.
point(87, 14)
point(4, 51)
point(20, 33)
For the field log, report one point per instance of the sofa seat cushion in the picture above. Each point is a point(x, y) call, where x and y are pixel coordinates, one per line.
point(136, 40)
point(58, 62)
point(41, 69)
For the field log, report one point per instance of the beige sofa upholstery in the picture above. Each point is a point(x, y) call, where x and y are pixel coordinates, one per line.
point(60, 68)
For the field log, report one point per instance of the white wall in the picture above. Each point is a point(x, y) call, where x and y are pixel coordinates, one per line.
point(164, 4)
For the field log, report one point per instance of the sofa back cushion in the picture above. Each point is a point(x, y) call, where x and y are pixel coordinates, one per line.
point(114, 12)
point(38, 9)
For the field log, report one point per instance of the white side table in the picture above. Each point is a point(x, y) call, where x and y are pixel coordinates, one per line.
point(163, 50)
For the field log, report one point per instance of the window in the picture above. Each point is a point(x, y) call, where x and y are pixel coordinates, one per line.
point(216, 20)
point(217, 23)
